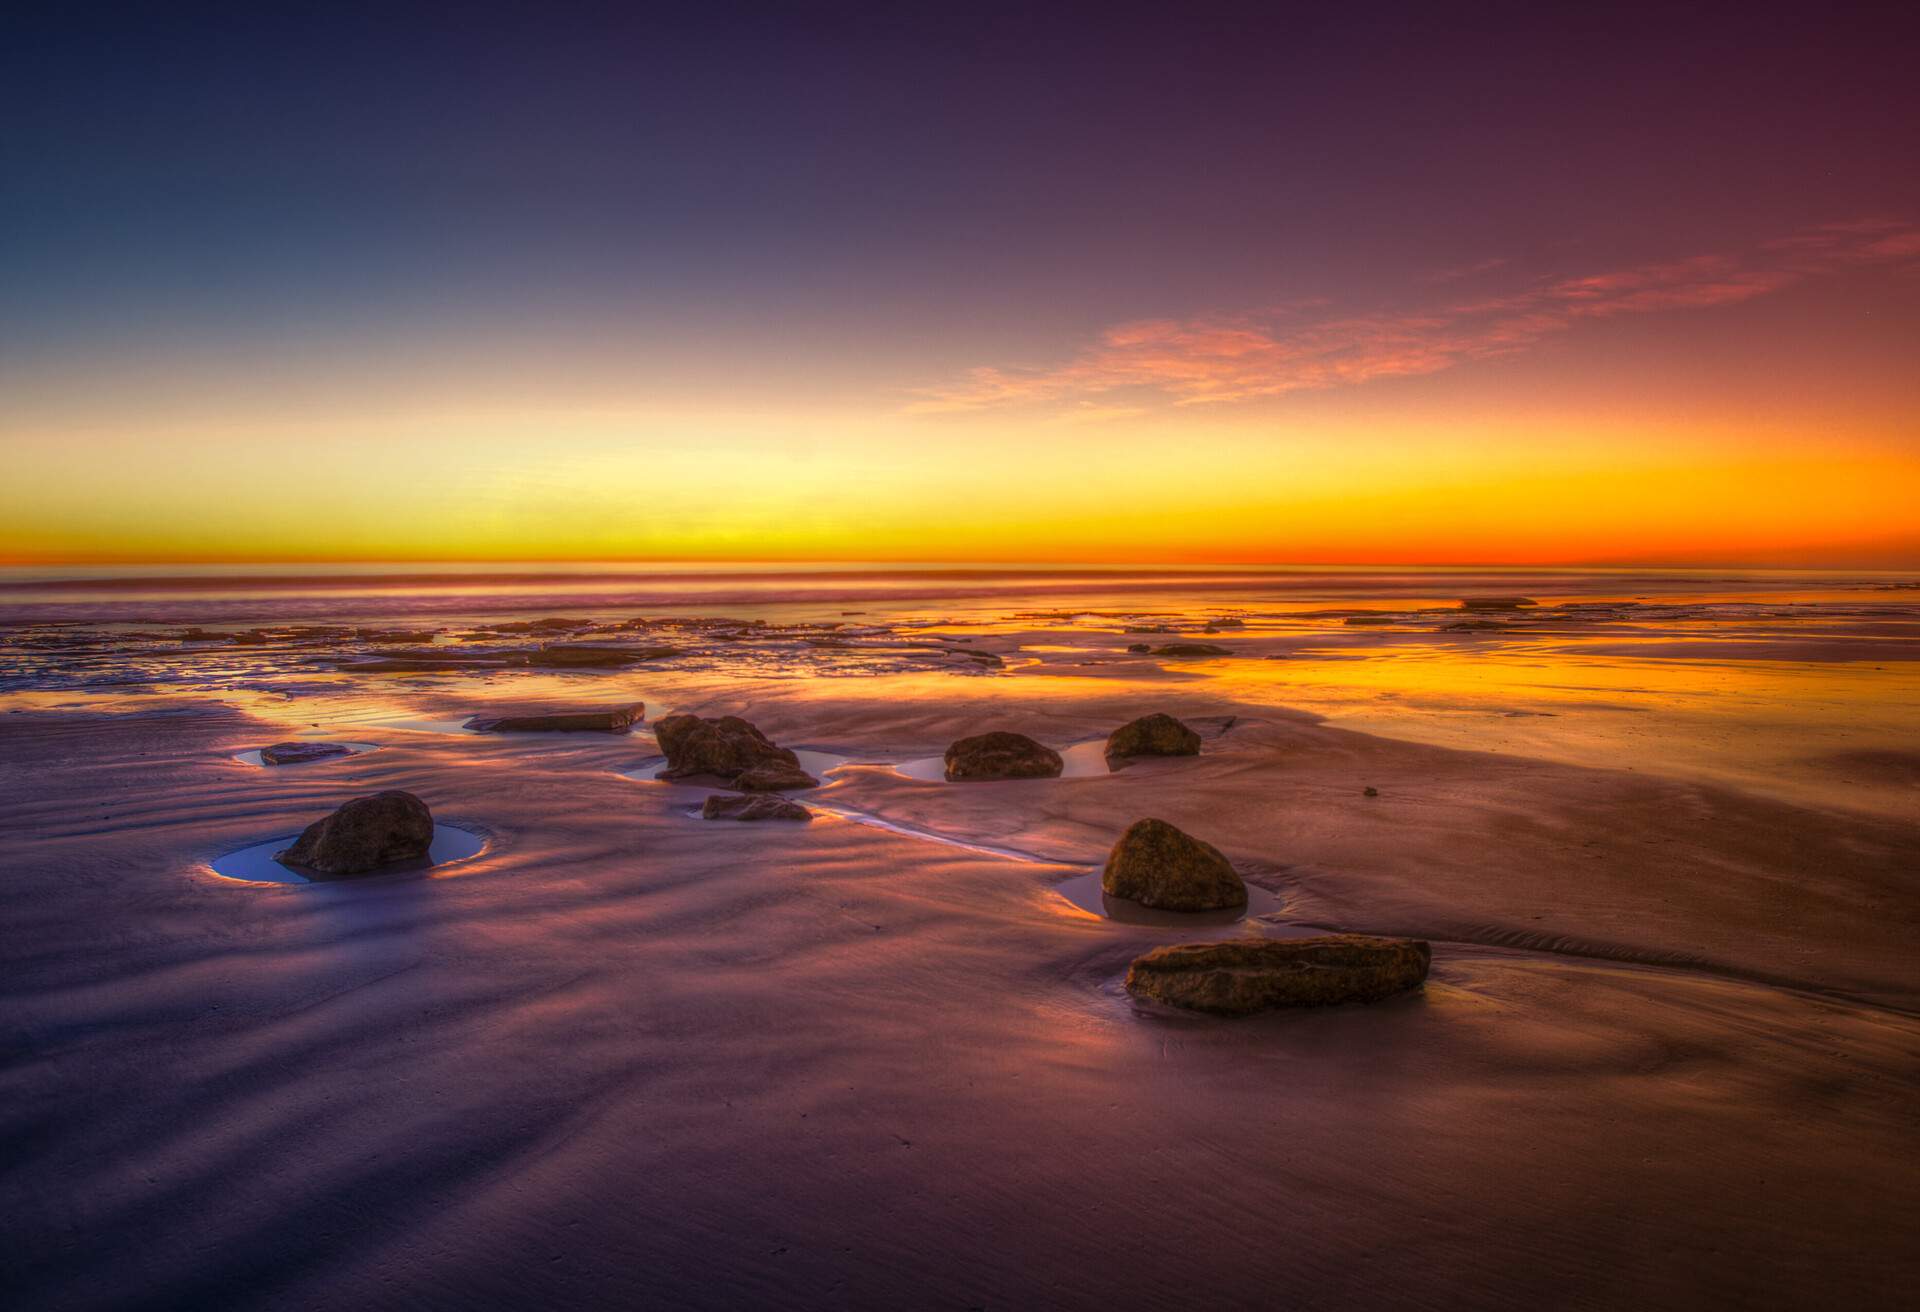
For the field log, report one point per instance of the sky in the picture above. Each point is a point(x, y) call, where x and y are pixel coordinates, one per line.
point(1200, 283)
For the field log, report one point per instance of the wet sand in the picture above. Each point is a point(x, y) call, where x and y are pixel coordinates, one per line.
point(1668, 1056)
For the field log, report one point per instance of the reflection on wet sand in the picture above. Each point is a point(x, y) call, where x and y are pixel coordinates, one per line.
point(1669, 892)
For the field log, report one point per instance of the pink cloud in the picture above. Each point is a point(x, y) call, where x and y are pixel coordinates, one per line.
point(1208, 360)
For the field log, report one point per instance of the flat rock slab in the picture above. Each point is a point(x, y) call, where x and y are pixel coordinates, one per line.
point(606, 719)
point(759, 806)
point(1244, 976)
point(301, 753)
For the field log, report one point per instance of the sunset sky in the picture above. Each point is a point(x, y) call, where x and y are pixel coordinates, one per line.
point(1425, 283)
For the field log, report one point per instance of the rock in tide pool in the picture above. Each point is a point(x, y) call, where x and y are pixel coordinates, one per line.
point(1002, 755)
point(760, 807)
point(1159, 866)
point(608, 719)
point(301, 753)
point(729, 749)
point(364, 835)
point(1191, 649)
point(1243, 976)
point(1153, 735)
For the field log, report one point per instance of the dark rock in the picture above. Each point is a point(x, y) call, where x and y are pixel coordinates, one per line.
point(1473, 626)
point(1002, 755)
point(1153, 735)
point(1370, 621)
point(1139, 647)
point(609, 719)
point(543, 626)
point(402, 636)
point(301, 753)
point(1229, 622)
point(1244, 976)
point(1191, 649)
point(1369, 791)
point(729, 749)
point(365, 834)
point(1497, 603)
point(774, 777)
point(588, 655)
point(760, 807)
point(1157, 865)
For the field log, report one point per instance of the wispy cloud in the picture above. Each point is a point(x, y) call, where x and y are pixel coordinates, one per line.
point(1305, 346)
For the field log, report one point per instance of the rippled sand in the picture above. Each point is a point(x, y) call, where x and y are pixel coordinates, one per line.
point(1669, 1054)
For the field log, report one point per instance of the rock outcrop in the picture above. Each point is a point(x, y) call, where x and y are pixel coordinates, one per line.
point(1244, 976)
point(759, 807)
point(1191, 649)
point(364, 835)
point(595, 656)
point(1001, 755)
point(301, 753)
point(607, 719)
point(1153, 735)
point(730, 750)
point(1160, 866)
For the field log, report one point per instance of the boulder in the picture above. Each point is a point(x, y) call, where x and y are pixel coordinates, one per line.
point(1243, 976)
point(719, 807)
point(1139, 647)
point(607, 719)
point(365, 834)
point(729, 749)
point(1191, 649)
point(1001, 755)
point(1153, 735)
point(301, 753)
point(1158, 865)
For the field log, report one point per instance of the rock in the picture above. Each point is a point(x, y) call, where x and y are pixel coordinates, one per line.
point(775, 777)
point(1229, 622)
point(1369, 791)
point(1153, 735)
point(731, 750)
point(1497, 603)
point(1366, 621)
point(1243, 976)
point(1001, 755)
point(1138, 647)
point(1473, 626)
point(587, 655)
point(301, 753)
point(365, 834)
point(610, 719)
point(403, 636)
point(762, 807)
point(1157, 865)
point(555, 625)
point(1191, 649)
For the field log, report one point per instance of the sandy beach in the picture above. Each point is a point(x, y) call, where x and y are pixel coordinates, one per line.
point(1667, 1054)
